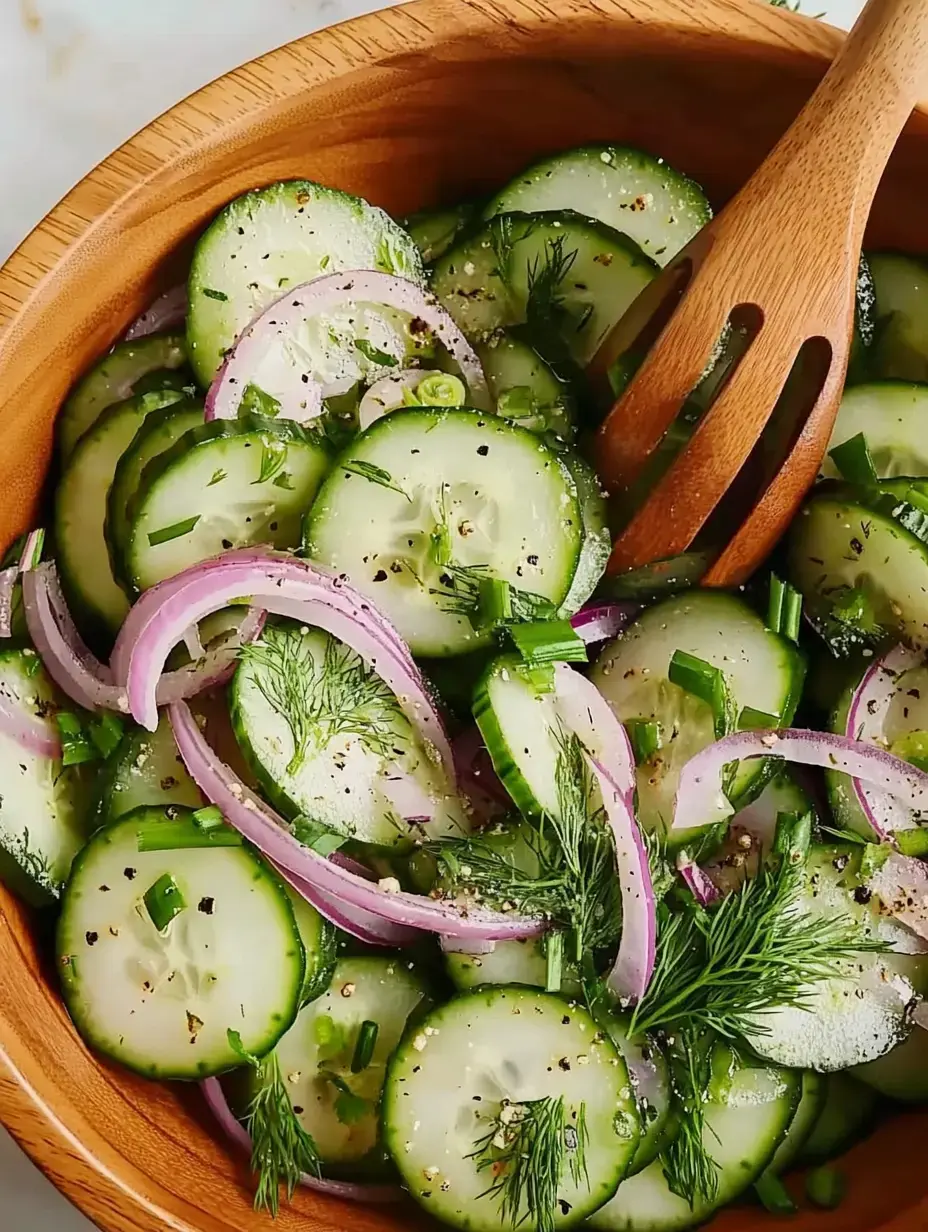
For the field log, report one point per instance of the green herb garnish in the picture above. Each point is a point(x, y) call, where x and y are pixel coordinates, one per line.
point(366, 348)
point(176, 531)
point(255, 401)
point(164, 901)
point(375, 474)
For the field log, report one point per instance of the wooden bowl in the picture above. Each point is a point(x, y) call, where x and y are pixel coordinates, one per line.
point(433, 101)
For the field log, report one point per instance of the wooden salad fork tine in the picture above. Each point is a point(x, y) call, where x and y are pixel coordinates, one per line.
point(782, 255)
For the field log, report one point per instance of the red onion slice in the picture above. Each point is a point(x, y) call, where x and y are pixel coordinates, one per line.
point(29, 557)
point(457, 945)
point(168, 311)
point(236, 1132)
point(866, 720)
point(699, 884)
point(35, 735)
point(267, 830)
point(320, 295)
point(598, 622)
point(477, 779)
point(363, 925)
point(700, 796)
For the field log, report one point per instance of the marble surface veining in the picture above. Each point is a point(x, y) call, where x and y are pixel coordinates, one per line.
point(80, 76)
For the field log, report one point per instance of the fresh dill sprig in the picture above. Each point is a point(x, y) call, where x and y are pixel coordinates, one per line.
point(281, 1149)
point(461, 590)
point(529, 1148)
point(341, 695)
point(689, 1169)
point(757, 949)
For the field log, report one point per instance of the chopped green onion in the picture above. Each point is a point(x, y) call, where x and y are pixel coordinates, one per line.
point(913, 748)
point(106, 733)
point(793, 835)
point(752, 720)
point(76, 746)
point(873, 858)
point(176, 531)
point(441, 389)
point(179, 834)
point(163, 901)
point(374, 354)
point(440, 545)
point(826, 1187)
point(554, 953)
point(330, 1037)
point(364, 1047)
point(784, 609)
point(645, 737)
point(912, 842)
point(209, 818)
point(853, 460)
point(316, 836)
point(548, 641)
point(211, 294)
point(910, 517)
point(494, 602)
point(256, 402)
point(774, 1195)
point(540, 677)
point(706, 682)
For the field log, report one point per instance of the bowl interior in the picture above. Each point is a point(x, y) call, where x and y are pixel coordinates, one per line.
point(432, 102)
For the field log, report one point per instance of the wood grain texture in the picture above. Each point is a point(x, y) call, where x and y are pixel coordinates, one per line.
point(788, 246)
point(428, 102)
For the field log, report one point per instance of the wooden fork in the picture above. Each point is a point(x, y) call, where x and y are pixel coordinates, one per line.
point(783, 254)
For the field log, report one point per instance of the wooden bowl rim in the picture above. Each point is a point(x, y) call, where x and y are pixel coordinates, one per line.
point(60, 1137)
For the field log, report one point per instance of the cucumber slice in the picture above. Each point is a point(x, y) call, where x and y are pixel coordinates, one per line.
point(230, 483)
point(509, 962)
point(810, 1108)
point(864, 1011)
point(584, 273)
point(434, 231)
point(858, 367)
point(326, 738)
point(43, 806)
point(893, 416)
point(321, 1045)
point(744, 1125)
point(900, 346)
point(902, 1073)
point(448, 1081)
point(80, 515)
point(271, 240)
point(320, 946)
point(146, 769)
point(753, 828)
point(763, 671)
point(157, 362)
point(525, 387)
point(849, 1113)
point(651, 1082)
point(155, 435)
point(837, 545)
point(597, 537)
point(162, 1000)
point(479, 495)
point(635, 193)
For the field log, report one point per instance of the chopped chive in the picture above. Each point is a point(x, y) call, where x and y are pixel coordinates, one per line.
point(645, 737)
point(784, 609)
point(853, 460)
point(554, 954)
point(793, 835)
point(774, 1195)
point(316, 836)
point(752, 720)
point(873, 858)
point(177, 531)
point(76, 746)
point(208, 818)
point(826, 1187)
point(218, 477)
point(366, 348)
point(540, 677)
point(211, 294)
point(273, 459)
point(364, 1047)
point(441, 389)
point(701, 679)
point(375, 474)
point(548, 641)
point(182, 834)
point(163, 901)
point(256, 401)
point(106, 733)
point(912, 842)
point(494, 602)
point(440, 545)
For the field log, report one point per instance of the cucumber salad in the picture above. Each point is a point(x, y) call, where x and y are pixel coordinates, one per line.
point(453, 867)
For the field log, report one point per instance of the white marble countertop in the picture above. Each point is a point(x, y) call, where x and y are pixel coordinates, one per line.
point(81, 76)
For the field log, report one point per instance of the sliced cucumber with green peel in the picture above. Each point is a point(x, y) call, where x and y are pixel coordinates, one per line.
point(597, 537)
point(637, 194)
point(226, 484)
point(143, 366)
point(425, 504)
point(336, 1098)
point(893, 417)
point(849, 1114)
point(472, 1070)
point(651, 1080)
point(320, 946)
point(900, 346)
point(269, 241)
point(328, 740)
point(859, 363)
point(901, 1074)
point(524, 386)
point(509, 962)
point(839, 550)
point(146, 769)
point(809, 1109)
point(99, 603)
point(44, 806)
point(744, 1125)
point(434, 231)
point(155, 436)
point(763, 671)
point(163, 953)
point(574, 273)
